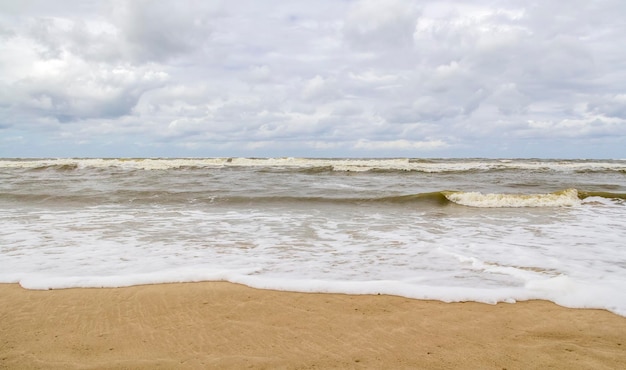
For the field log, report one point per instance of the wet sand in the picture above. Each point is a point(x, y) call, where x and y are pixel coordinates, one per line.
point(224, 325)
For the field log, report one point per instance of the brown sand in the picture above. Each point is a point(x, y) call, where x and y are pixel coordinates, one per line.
point(223, 325)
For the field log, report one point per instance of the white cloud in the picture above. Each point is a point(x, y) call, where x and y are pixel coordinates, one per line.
point(70, 89)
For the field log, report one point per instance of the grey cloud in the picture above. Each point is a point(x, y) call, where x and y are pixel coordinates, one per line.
point(46, 33)
point(374, 24)
point(425, 109)
point(610, 106)
point(508, 100)
point(158, 31)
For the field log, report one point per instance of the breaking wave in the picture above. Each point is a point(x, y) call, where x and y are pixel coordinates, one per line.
point(563, 198)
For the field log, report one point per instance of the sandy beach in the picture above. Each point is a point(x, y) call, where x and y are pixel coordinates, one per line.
point(224, 325)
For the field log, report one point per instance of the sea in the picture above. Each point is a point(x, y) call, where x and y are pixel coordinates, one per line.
point(483, 230)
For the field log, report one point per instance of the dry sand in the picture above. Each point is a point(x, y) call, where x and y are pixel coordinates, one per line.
point(223, 325)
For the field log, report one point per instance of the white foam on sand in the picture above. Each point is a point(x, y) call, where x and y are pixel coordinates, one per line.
point(572, 256)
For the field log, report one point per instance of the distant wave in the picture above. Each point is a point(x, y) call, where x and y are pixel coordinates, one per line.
point(321, 165)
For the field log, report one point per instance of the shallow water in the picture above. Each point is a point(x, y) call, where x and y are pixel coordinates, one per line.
point(452, 230)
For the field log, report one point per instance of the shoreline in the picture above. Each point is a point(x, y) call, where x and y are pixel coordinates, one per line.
point(226, 325)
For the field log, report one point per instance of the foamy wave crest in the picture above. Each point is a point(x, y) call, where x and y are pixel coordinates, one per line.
point(563, 198)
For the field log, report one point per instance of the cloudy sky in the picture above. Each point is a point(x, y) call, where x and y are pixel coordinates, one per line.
point(323, 78)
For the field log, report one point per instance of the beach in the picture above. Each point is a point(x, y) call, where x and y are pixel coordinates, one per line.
point(300, 263)
point(225, 325)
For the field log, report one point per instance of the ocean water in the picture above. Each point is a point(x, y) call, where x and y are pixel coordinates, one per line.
point(445, 229)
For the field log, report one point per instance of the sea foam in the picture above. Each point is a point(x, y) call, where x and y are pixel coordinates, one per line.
point(565, 198)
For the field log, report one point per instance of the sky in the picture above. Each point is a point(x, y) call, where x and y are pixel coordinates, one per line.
point(323, 78)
